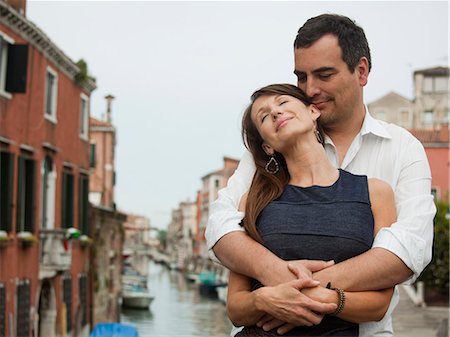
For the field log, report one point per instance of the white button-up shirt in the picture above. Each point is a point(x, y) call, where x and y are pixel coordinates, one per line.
point(380, 150)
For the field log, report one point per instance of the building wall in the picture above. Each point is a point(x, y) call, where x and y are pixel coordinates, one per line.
point(439, 159)
point(108, 234)
point(102, 134)
point(25, 130)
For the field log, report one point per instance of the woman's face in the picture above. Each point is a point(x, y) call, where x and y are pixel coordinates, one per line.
point(281, 119)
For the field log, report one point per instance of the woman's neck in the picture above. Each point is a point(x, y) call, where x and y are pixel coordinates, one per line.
point(308, 165)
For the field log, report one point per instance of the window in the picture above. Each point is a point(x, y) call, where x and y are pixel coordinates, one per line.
point(84, 116)
point(23, 308)
point(25, 195)
point(67, 200)
point(441, 84)
point(48, 193)
point(67, 299)
point(83, 290)
point(92, 161)
point(51, 92)
point(6, 189)
point(404, 118)
point(435, 84)
point(427, 117)
point(13, 66)
point(381, 114)
point(428, 84)
point(83, 202)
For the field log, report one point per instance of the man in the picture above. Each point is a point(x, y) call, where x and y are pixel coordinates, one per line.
point(332, 64)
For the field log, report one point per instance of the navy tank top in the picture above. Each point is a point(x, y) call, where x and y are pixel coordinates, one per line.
point(319, 223)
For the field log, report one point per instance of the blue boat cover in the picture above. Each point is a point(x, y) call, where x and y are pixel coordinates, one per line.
point(114, 330)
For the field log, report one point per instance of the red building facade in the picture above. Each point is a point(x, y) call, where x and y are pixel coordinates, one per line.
point(44, 184)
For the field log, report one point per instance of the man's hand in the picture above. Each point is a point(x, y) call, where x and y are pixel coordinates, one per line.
point(304, 269)
point(286, 303)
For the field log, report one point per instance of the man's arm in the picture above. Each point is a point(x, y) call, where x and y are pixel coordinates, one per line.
point(401, 251)
point(228, 240)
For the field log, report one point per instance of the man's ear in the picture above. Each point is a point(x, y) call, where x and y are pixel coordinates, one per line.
point(267, 149)
point(362, 69)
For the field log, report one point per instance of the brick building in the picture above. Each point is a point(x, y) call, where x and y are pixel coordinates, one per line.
point(44, 179)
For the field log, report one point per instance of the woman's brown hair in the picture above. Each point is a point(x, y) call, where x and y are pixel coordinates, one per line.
point(265, 186)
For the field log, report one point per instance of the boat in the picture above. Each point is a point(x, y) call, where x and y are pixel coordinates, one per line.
point(135, 293)
point(209, 283)
point(114, 330)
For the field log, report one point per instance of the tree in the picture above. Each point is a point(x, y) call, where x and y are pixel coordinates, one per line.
point(436, 274)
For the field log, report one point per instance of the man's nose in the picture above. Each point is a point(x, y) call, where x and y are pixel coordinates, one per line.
point(311, 88)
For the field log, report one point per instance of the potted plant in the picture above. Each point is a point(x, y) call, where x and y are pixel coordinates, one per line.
point(85, 240)
point(27, 239)
point(4, 239)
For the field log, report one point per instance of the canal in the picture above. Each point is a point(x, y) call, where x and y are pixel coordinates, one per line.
point(178, 309)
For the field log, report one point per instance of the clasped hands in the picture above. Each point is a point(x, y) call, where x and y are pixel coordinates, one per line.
point(298, 302)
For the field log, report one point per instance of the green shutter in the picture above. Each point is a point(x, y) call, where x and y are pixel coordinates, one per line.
point(67, 201)
point(20, 212)
point(64, 202)
point(30, 195)
point(83, 203)
point(6, 186)
point(92, 157)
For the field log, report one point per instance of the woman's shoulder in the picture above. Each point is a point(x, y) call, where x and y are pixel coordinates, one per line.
point(379, 188)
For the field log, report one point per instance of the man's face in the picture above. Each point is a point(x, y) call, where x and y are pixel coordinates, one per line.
point(325, 78)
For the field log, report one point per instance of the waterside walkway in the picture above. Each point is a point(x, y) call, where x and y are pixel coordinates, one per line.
point(412, 321)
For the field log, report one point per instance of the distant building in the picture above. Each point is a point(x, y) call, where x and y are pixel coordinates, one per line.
point(102, 160)
point(393, 108)
point(44, 179)
point(427, 118)
point(432, 98)
point(108, 224)
point(211, 184)
point(436, 143)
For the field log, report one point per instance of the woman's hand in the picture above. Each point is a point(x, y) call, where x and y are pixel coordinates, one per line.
point(288, 304)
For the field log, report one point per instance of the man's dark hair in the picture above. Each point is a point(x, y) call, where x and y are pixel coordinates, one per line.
point(351, 37)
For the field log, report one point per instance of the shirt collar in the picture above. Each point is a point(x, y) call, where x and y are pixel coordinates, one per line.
point(374, 126)
point(370, 125)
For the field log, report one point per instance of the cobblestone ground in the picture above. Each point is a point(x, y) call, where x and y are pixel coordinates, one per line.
point(412, 321)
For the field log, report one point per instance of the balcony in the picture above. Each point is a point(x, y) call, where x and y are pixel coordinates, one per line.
point(55, 252)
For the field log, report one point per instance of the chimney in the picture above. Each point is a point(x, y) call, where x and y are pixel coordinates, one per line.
point(109, 99)
point(19, 5)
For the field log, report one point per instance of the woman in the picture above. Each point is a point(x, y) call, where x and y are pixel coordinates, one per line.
point(301, 207)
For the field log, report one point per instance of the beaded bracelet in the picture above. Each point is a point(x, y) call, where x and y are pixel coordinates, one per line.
point(341, 303)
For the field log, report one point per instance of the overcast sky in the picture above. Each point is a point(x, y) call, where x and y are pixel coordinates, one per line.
point(182, 74)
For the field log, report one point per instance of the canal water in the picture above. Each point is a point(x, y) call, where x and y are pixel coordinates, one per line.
point(178, 309)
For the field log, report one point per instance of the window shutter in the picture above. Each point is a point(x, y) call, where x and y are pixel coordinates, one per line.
point(67, 299)
point(64, 200)
point(92, 161)
point(82, 289)
point(70, 191)
point(23, 308)
point(83, 202)
point(16, 73)
point(67, 202)
point(20, 214)
point(6, 186)
point(30, 195)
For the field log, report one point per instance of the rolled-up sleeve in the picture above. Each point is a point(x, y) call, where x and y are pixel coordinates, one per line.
point(224, 216)
point(411, 237)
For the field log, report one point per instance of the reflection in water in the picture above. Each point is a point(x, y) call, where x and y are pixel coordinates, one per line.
point(178, 309)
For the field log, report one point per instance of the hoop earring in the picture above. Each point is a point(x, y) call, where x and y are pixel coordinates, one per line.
point(318, 136)
point(273, 162)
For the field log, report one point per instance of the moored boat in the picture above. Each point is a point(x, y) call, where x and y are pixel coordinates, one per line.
point(114, 330)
